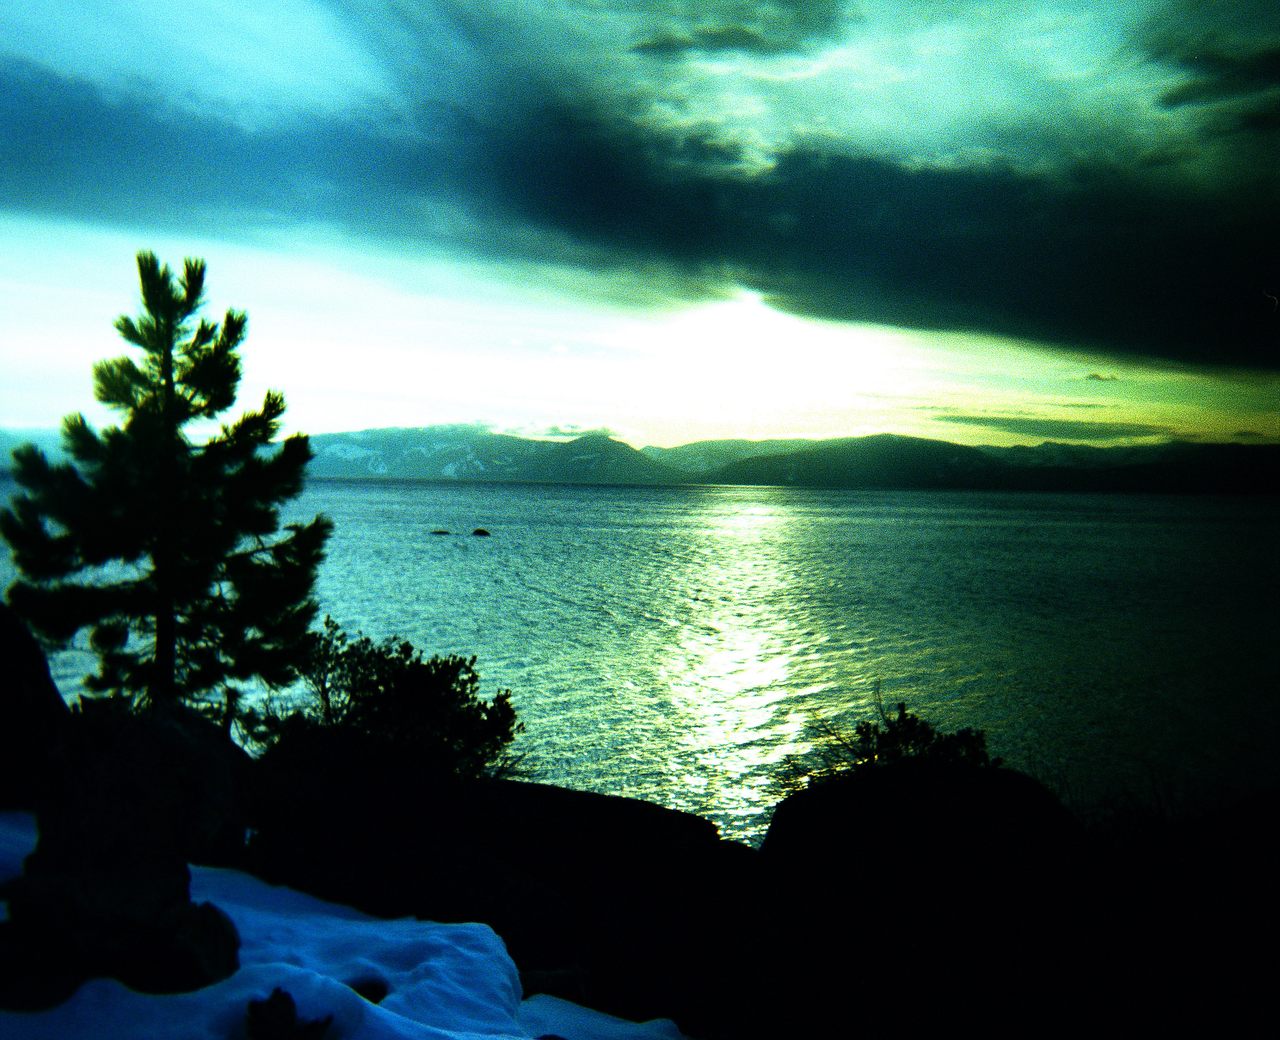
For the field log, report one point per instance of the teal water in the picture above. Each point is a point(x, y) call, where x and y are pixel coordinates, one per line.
point(677, 643)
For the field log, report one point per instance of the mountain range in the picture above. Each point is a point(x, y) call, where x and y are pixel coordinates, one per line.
point(884, 461)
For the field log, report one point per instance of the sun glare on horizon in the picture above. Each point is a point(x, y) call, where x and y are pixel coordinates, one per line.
point(358, 342)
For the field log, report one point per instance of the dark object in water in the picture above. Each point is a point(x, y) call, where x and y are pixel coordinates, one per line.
point(439, 531)
point(480, 532)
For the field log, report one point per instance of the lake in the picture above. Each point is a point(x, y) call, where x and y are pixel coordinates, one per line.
point(677, 644)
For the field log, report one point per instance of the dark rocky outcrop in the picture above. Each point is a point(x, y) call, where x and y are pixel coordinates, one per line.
point(131, 801)
point(34, 714)
point(928, 897)
point(974, 819)
point(941, 875)
point(916, 896)
point(276, 1018)
point(615, 903)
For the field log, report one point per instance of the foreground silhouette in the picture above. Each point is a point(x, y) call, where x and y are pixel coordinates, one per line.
point(170, 554)
point(916, 894)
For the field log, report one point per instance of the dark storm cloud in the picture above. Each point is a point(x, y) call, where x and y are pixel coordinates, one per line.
point(1220, 74)
point(1100, 259)
point(1260, 118)
point(564, 159)
point(1059, 429)
point(84, 155)
point(1238, 92)
point(771, 27)
point(118, 158)
point(1229, 56)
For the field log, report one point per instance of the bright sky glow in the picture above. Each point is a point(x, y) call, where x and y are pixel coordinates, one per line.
point(359, 341)
point(989, 223)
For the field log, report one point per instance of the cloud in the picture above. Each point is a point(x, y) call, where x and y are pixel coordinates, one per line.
point(765, 27)
point(1220, 75)
point(132, 159)
point(1225, 61)
point(1060, 429)
point(1222, 52)
point(927, 169)
point(864, 239)
point(572, 431)
point(252, 64)
point(823, 235)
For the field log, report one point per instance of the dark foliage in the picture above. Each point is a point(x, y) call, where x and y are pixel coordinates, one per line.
point(386, 698)
point(168, 552)
point(905, 735)
point(894, 738)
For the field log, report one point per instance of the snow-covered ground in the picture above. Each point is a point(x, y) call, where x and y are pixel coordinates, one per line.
point(443, 982)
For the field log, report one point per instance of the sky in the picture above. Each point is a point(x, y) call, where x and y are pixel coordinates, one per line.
point(672, 219)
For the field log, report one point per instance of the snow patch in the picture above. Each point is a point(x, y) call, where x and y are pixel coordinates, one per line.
point(443, 982)
point(346, 451)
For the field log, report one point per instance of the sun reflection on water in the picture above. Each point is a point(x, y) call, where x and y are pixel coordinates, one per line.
point(730, 667)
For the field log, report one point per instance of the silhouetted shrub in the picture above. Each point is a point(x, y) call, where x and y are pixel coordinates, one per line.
point(894, 738)
point(386, 696)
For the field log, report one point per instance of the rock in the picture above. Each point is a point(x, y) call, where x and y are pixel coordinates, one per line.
point(371, 987)
point(955, 875)
point(130, 920)
point(35, 715)
point(169, 779)
point(963, 818)
point(276, 1018)
point(106, 892)
point(620, 904)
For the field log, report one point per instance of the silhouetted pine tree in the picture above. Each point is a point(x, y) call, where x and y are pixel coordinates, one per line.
point(170, 552)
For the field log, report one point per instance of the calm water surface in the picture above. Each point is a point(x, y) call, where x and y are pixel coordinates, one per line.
point(676, 643)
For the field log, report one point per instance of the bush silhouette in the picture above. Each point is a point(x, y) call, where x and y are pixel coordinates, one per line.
point(893, 738)
point(386, 698)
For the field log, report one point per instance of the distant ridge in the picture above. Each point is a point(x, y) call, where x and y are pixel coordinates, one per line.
point(48, 441)
point(704, 456)
point(469, 453)
point(887, 461)
point(882, 461)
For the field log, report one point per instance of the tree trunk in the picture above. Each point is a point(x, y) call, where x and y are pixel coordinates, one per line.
point(165, 663)
point(164, 679)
